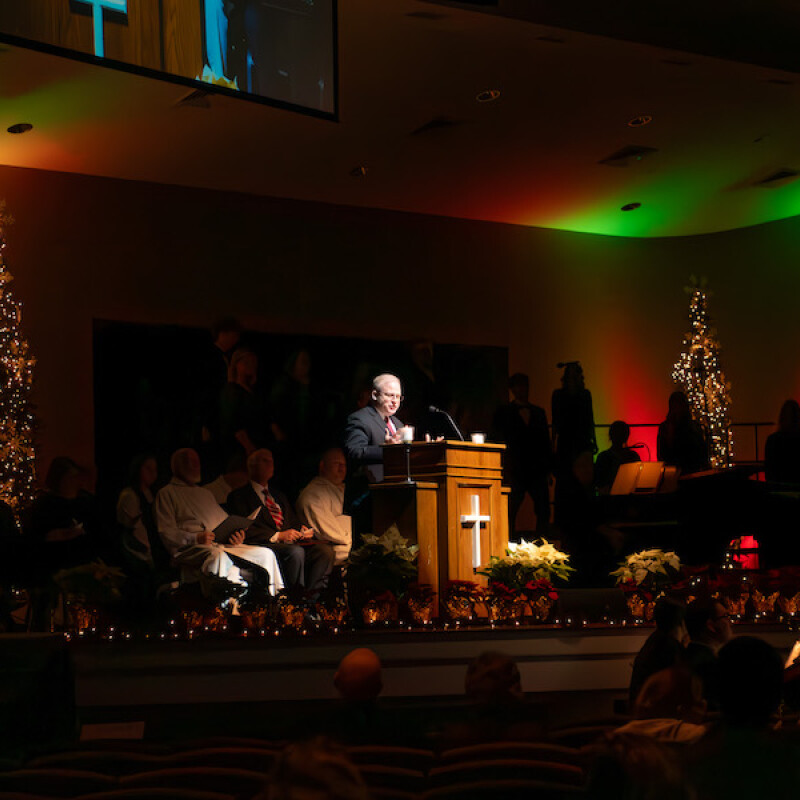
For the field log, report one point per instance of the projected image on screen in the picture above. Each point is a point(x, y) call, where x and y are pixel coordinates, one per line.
point(281, 51)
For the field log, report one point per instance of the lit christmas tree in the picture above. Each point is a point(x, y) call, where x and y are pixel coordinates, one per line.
point(699, 374)
point(17, 450)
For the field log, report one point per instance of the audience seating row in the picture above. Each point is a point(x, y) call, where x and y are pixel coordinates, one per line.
point(237, 770)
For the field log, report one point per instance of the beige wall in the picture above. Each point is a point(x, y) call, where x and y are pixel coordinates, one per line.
point(85, 248)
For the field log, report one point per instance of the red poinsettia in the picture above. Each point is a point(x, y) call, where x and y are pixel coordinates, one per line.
point(502, 592)
point(468, 589)
point(631, 587)
point(540, 587)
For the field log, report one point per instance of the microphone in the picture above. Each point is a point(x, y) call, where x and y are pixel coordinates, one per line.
point(434, 410)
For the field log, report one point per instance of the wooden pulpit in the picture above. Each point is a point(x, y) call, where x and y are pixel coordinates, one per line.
point(454, 505)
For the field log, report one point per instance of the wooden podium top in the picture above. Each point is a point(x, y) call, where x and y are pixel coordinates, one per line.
point(438, 460)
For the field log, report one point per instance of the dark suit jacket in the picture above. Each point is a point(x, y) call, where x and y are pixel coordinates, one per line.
point(244, 501)
point(528, 452)
point(364, 434)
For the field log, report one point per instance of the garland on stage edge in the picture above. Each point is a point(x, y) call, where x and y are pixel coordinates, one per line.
point(17, 422)
point(699, 374)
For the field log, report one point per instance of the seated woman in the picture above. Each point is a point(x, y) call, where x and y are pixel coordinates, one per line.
point(782, 450)
point(63, 522)
point(135, 509)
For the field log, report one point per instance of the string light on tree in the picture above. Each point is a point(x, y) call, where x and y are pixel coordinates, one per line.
point(699, 374)
point(17, 450)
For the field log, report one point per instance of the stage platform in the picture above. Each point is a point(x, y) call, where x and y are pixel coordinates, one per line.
point(418, 664)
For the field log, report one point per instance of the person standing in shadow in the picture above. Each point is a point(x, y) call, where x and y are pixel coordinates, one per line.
point(575, 445)
point(782, 449)
point(681, 442)
point(523, 428)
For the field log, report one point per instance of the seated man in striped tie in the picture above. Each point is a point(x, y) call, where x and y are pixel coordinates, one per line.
point(305, 562)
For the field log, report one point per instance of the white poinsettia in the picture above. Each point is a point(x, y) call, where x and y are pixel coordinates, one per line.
point(525, 561)
point(652, 566)
point(392, 542)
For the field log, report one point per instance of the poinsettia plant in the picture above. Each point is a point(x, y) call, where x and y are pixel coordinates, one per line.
point(526, 562)
point(95, 583)
point(384, 562)
point(541, 587)
point(468, 590)
point(648, 570)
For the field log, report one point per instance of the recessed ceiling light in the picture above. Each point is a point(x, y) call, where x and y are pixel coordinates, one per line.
point(630, 207)
point(487, 95)
point(21, 127)
point(639, 120)
point(359, 172)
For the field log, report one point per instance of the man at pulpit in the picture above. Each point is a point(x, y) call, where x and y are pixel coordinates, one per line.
point(372, 426)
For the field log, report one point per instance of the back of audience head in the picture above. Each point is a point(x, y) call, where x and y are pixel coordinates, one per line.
point(789, 419)
point(750, 674)
point(708, 622)
point(618, 433)
point(315, 770)
point(185, 465)
point(226, 333)
point(63, 477)
point(633, 767)
point(670, 618)
point(671, 693)
point(358, 678)
point(493, 679)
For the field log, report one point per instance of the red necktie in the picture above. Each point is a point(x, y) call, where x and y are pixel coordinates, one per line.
point(274, 509)
point(390, 428)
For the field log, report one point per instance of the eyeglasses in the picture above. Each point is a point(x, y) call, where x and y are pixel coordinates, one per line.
point(398, 397)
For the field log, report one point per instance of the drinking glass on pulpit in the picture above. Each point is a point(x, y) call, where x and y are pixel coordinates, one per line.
point(407, 437)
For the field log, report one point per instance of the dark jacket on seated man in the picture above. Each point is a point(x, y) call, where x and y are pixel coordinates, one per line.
point(304, 566)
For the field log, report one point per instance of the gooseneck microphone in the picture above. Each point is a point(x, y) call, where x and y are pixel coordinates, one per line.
point(434, 410)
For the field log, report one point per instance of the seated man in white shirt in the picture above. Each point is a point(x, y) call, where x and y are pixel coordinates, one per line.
point(186, 516)
point(321, 504)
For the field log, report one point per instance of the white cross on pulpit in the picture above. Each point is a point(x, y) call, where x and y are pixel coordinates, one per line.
point(97, 15)
point(474, 520)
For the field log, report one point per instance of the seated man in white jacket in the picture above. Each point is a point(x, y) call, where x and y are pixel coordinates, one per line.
point(186, 515)
point(321, 504)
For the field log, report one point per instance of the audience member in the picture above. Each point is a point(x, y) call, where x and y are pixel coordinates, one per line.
point(664, 648)
point(782, 449)
point(186, 516)
point(234, 477)
point(497, 708)
point(359, 718)
point(135, 510)
point(244, 417)
point(63, 521)
point(523, 428)
point(315, 770)
point(669, 708)
point(305, 562)
point(321, 504)
point(709, 628)
point(609, 461)
point(629, 766)
point(681, 442)
point(370, 427)
point(741, 757)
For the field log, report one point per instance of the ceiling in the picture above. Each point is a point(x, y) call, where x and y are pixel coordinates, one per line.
point(409, 73)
